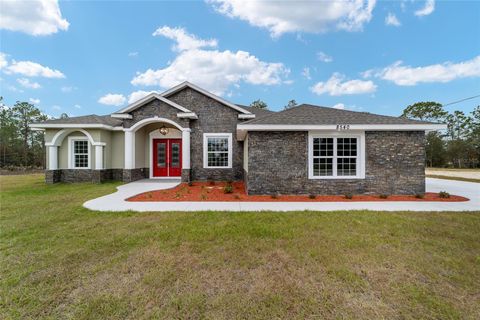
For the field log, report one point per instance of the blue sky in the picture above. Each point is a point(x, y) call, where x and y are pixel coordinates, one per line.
point(94, 57)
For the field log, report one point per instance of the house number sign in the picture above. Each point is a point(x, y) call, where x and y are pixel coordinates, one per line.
point(341, 127)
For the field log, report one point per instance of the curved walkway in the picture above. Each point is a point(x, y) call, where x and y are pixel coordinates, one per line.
point(116, 201)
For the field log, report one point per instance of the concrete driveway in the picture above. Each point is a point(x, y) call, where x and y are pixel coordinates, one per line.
point(116, 201)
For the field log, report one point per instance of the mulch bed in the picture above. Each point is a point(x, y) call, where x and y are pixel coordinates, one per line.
point(214, 191)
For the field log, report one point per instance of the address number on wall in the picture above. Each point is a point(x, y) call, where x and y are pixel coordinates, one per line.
point(342, 127)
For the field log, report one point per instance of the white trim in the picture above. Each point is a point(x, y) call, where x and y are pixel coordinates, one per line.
point(149, 98)
point(71, 159)
point(188, 115)
point(246, 116)
point(372, 127)
point(146, 121)
point(99, 158)
point(52, 157)
point(70, 125)
point(185, 150)
point(360, 154)
point(205, 149)
point(205, 92)
point(60, 135)
point(121, 115)
point(129, 150)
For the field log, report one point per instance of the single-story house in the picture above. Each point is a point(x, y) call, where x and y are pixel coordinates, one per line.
point(191, 134)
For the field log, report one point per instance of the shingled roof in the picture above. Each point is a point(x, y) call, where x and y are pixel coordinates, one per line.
point(89, 119)
point(307, 114)
point(257, 111)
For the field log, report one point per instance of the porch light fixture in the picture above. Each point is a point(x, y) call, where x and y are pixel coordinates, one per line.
point(163, 130)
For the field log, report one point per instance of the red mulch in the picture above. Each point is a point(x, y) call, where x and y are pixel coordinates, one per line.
point(208, 191)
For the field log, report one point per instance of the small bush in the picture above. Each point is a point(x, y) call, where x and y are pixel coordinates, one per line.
point(237, 197)
point(419, 196)
point(444, 194)
point(203, 196)
point(274, 196)
point(190, 183)
point(211, 182)
point(149, 195)
point(312, 196)
point(383, 196)
point(228, 189)
point(348, 196)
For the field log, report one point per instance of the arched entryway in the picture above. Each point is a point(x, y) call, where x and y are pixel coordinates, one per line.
point(159, 147)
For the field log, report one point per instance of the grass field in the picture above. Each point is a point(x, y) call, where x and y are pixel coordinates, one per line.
point(59, 260)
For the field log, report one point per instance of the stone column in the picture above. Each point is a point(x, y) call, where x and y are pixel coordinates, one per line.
point(52, 157)
point(129, 150)
point(98, 157)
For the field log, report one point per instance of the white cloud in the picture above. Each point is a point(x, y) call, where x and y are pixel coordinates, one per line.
point(306, 73)
point(133, 54)
point(213, 70)
point(322, 56)
point(55, 107)
point(137, 95)
point(3, 60)
point(427, 9)
point(335, 87)
point(77, 106)
point(37, 18)
point(339, 106)
point(409, 76)
point(67, 89)
point(32, 69)
point(392, 20)
point(34, 101)
point(183, 39)
point(112, 99)
point(27, 84)
point(281, 17)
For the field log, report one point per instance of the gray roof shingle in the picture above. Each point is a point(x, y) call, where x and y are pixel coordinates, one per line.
point(89, 119)
point(257, 111)
point(307, 114)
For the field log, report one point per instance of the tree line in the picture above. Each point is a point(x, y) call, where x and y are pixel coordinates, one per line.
point(20, 146)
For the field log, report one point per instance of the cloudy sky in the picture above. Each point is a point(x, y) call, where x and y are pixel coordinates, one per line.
point(378, 56)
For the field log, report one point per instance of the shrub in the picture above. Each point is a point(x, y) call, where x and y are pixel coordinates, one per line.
point(149, 195)
point(190, 183)
point(211, 182)
point(203, 196)
point(312, 196)
point(228, 189)
point(237, 197)
point(348, 196)
point(419, 195)
point(274, 195)
point(383, 196)
point(444, 194)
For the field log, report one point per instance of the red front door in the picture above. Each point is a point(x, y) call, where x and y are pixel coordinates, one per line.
point(167, 157)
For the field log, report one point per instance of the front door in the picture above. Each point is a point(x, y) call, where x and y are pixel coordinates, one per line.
point(167, 157)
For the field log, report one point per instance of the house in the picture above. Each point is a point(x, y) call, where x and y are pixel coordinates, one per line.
point(189, 133)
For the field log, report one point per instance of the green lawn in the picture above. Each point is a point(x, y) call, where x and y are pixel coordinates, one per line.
point(59, 260)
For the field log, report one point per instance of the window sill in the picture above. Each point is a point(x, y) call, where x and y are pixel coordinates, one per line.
point(336, 178)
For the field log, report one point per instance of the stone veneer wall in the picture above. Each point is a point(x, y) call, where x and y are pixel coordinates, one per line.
point(278, 163)
point(82, 175)
point(213, 117)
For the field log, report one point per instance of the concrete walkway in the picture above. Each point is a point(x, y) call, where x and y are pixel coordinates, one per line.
point(116, 201)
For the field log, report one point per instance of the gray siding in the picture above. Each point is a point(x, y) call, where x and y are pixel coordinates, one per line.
point(278, 163)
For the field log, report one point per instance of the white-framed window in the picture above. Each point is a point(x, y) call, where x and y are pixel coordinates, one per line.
point(336, 156)
point(79, 154)
point(217, 150)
